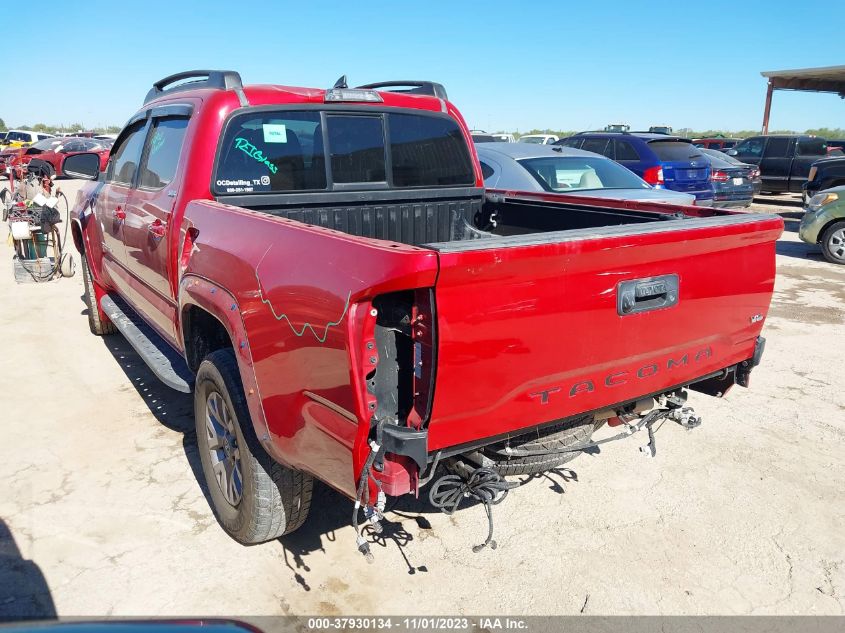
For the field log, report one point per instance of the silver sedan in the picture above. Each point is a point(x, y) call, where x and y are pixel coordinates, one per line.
point(560, 169)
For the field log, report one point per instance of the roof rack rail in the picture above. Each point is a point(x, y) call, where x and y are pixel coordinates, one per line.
point(411, 87)
point(217, 79)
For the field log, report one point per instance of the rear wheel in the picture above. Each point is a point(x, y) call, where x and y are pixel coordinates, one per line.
point(833, 243)
point(550, 443)
point(254, 498)
point(97, 320)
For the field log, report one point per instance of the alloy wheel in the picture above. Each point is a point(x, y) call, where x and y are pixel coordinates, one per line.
point(836, 244)
point(223, 448)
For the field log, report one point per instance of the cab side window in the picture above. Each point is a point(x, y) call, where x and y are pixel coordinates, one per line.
point(572, 142)
point(163, 150)
point(778, 147)
point(625, 151)
point(125, 157)
point(812, 147)
point(752, 147)
point(73, 146)
point(597, 145)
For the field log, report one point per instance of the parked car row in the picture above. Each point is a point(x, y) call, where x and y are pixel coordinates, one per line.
point(823, 222)
point(665, 162)
point(656, 162)
point(558, 169)
point(53, 152)
point(715, 171)
point(21, 138)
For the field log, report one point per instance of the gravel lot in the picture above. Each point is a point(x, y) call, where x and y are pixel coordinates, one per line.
point(102, 512)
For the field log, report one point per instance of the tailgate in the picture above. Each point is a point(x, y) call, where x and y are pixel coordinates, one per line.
point(686, 176)
point(531, 328)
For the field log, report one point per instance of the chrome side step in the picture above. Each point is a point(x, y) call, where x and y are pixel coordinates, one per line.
point(163, 360)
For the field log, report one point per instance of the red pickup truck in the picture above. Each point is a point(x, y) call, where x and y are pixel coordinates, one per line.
point(324, 270)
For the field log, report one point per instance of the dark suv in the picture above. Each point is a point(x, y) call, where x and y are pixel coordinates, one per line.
point(784, 159)
point(824, 174)
point(666, 162)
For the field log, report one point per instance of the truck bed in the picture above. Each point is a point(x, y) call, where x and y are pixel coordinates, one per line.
point(444, 215)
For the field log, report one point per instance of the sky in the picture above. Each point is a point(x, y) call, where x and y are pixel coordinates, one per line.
point(506, 65)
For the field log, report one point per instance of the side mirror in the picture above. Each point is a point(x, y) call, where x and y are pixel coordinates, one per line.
point(732, 152)
point(85, 166)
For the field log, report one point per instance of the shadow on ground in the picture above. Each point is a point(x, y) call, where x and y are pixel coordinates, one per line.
point(331, 511)
point(24, 593)
point(791, 211)
point(781, 201)
point(172, 409)
point(799, 250)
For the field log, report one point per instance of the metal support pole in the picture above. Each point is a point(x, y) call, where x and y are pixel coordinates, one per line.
point(768, 109)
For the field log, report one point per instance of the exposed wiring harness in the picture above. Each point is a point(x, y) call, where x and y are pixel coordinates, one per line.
point(490, 488)
point(483, 484)
point(647, 421)
point(372, 513)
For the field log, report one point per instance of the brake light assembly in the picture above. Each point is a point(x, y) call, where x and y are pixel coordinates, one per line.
point(717, 175)
point(654, 176)
point(335, 95)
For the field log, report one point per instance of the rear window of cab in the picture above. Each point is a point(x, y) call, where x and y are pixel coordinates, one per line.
point(310, 150)
point(674, 150)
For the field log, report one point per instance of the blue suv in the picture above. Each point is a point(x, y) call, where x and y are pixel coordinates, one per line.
point(666, 162)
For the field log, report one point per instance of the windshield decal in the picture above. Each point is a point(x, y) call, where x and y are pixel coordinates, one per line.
point(275, 133)
point(306, 325)
point(156, 142)
point(253, 152)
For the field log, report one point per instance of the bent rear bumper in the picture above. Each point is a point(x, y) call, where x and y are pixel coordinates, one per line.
point(413, 444)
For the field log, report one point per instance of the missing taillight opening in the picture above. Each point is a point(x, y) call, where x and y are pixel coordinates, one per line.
point(404, 337)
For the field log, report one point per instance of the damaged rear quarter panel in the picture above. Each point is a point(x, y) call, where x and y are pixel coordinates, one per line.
point(303, 292)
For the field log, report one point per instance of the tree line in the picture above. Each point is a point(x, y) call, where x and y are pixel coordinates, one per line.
point(56, 129)
point(824, 132)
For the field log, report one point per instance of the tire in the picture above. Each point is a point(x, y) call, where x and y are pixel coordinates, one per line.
point(67, 265)
point(97, 320)
point(5, 194)
point(550, 440)
point(833, 243)
point(271, 500)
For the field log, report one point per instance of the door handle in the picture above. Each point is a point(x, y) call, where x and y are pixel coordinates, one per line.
point(157, 229)
point(119, 214)
point(643, 295)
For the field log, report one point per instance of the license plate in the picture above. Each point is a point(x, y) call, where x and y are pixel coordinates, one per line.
point(737, 181)
point(692, 174)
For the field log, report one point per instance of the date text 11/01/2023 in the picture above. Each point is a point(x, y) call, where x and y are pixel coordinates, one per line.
point(417, 624)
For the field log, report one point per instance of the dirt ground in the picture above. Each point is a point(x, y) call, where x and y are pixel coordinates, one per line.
point(102, 512)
